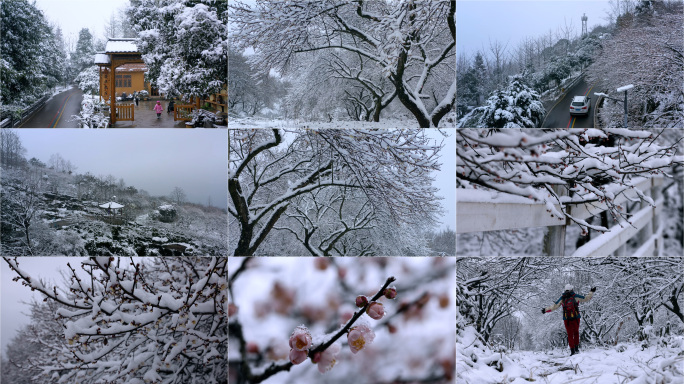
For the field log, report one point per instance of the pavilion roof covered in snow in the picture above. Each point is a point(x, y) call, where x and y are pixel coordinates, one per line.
point(121, 45)
point(111, 205)
point(102, 58)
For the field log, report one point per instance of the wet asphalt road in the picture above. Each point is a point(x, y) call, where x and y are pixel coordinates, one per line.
point(56, 113)
point(559, 115)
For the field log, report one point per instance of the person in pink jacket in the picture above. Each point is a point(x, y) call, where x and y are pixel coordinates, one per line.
point(158, 108)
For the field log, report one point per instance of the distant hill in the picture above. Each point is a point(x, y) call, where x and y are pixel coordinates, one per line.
point(50, 213)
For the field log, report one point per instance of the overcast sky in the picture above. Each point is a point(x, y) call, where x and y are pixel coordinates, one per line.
point(512, 20)
point(72, 15)
point(156, 160)
point(12, 294)
point(445, 180)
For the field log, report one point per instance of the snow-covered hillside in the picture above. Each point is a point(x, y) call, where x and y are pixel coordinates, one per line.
point(57, 214)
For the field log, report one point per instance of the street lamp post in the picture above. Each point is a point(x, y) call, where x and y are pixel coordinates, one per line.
point(624, 102)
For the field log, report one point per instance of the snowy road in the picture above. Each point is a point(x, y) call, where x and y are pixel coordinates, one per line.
point(56, 113)
point(559, 115)
point(626, 363)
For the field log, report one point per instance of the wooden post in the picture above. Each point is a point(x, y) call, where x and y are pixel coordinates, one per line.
point(112, 92)
point(646, 232)
point(554, 238)
point(656, 191)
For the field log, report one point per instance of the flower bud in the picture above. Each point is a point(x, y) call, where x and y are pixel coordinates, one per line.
point(321, 263)
point(232, 309)
point(297, 357)
point(390, 293)
point(252, 347)
point(300, 339)
point(361, 301)
point(375, 310)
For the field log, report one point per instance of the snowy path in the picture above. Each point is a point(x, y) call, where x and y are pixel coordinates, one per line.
point(595, 365)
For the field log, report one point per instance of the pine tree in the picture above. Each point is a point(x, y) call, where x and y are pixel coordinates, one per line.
point(30, 61)
point(517, 106)
point(84, 54)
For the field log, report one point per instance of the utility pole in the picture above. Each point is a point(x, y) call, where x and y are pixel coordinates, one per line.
point(584, 24)
point(624, 102)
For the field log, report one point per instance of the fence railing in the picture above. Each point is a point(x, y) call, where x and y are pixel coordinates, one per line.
point(12, 122)
point(182, 112)
point(125, 112)
point(480, 211)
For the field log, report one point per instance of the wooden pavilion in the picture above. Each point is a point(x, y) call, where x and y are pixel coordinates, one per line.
point(117, 52)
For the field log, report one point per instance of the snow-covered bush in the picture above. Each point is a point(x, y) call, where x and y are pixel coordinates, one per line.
point(89, 80)
point(91, 115)
point(167, 213)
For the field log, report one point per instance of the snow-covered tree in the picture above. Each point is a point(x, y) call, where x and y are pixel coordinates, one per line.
point(531, 163)
point(84, 54)
point(178, 195)
point(184, 44)
point(134, 321)
point(31, 61)
point(268, 175)
point(411, 43)
point(516, 106)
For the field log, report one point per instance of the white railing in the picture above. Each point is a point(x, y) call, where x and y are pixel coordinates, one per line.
point(497, 211)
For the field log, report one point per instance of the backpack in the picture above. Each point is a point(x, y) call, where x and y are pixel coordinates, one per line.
point(570, 307)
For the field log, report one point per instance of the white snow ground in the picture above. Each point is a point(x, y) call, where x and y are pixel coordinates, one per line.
point(624, 363)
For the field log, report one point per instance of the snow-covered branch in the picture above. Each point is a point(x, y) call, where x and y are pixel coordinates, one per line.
point(593, 166)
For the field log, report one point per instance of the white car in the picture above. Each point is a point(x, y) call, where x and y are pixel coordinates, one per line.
point(580, 105)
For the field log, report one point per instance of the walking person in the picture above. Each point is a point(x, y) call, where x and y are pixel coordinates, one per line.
point(569, 300)
point(136, 98)
point(158, 108)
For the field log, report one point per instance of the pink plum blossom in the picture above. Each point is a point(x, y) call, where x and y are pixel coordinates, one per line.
point(359, 336)
point(375, 310)
point(297, 357)
point(326, 359)
point(300, 340)
point(361, 301)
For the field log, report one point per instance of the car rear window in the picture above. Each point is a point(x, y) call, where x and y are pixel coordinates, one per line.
point(577, 104)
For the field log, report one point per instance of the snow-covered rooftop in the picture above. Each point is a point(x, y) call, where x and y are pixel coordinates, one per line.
point(121, 45)
point(102, 58)
point(111, 205)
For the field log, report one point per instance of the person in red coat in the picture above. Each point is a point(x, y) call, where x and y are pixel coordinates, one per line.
point(569, 300)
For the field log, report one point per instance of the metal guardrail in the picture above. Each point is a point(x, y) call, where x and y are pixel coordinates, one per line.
point(25, 114)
